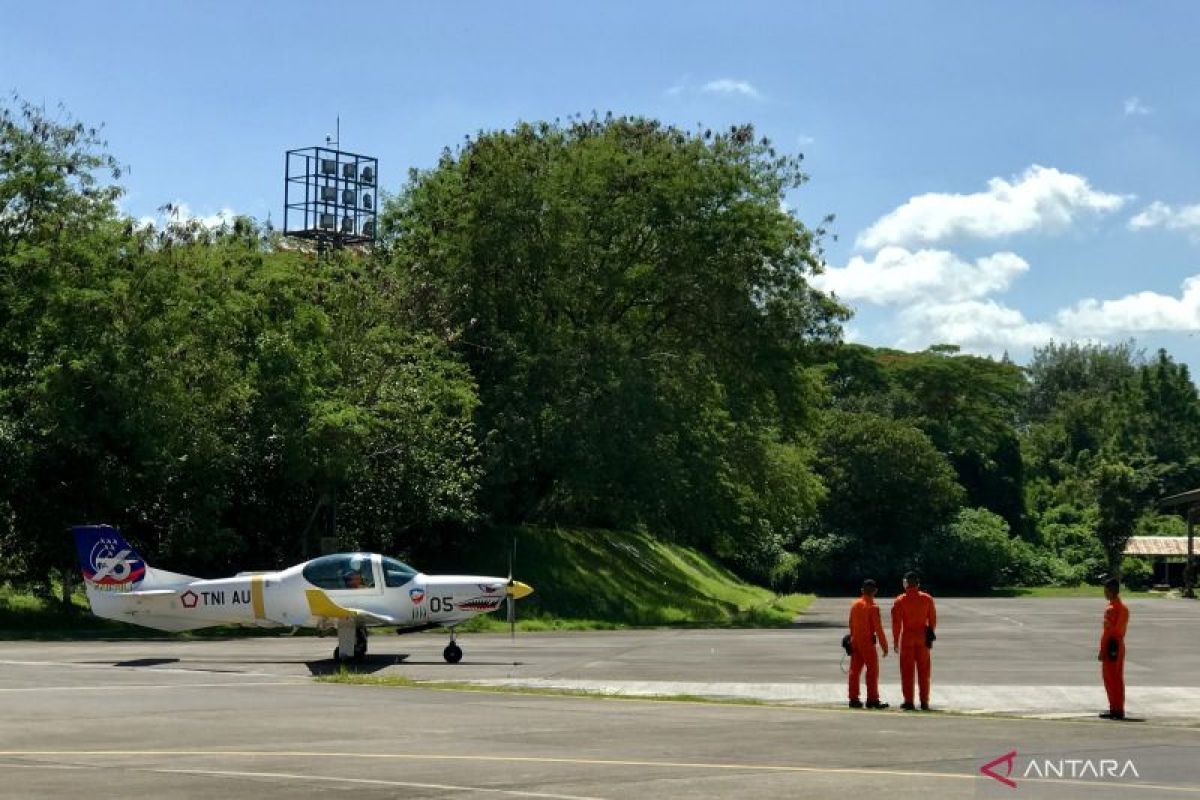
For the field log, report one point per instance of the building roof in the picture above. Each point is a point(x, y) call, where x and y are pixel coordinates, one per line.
point(1157, 546)
point(1182, 499)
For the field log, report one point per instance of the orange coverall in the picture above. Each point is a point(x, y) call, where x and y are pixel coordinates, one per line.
point(865, 626)
point(1116, 620)
point(911, 612)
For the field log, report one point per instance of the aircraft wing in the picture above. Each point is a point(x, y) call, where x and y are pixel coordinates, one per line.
point(321, 605)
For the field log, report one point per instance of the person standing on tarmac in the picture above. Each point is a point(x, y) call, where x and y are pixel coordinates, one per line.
point(1112, 649)
point(866, 627)
point(914, 620)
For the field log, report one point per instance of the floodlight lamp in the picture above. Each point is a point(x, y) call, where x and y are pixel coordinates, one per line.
point(328, 166)
point(328, 194)
point(327, 221)
point(368, 176)
point(348, 171)
point(347, 224)
point(366, 200)
point(368, 229)
point(347, 197)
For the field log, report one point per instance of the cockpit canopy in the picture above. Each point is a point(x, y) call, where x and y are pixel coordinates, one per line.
point(355, 571)
point(341, 571)
point(396, 573)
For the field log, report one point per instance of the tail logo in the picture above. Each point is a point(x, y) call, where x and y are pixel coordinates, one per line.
point(114, 566)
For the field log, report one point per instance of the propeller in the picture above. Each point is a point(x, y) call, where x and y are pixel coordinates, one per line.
point(509, 599)
point(514, 590)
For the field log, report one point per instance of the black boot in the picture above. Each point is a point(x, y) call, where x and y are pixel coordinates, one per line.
point(908, 707)
point(876, 704)
point(1113, 715)
point(856, 703)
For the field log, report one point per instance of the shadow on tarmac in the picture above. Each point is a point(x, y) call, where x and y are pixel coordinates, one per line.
point(802, 624)
point(143, 662)
point(465, 663)
point(368, 665)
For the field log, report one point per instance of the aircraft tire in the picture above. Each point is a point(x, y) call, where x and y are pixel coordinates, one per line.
point(453, 653)
point(360, 645)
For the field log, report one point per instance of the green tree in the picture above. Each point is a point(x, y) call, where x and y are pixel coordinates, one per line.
point(1085, 405)
point(1172, 422)
point(888, 488)
point(969, 407)
point(1060, 370)
point(58, 228)
point(1119, 500)
point(201, 388)
point(634, 304)
point(974, 551)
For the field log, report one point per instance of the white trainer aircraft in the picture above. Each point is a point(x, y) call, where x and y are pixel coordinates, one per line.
point(346, 592)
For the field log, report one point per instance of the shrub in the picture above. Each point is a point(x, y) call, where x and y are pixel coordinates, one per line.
point(973, 551)
point(1136, 573)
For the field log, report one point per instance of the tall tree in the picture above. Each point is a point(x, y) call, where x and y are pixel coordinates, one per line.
point(888, 488)
point(1119, 499)
point(968, 406)
point(58, 225)
point(634, 303)
point(1172, 422)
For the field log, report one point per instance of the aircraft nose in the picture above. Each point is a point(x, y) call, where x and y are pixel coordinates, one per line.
point(519, 590)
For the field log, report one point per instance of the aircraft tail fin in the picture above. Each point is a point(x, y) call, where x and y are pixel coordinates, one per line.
point(108, 562)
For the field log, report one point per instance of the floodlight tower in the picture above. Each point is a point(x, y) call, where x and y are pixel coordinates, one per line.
point(330, 196)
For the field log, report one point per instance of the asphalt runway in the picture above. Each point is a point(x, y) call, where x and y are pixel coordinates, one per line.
point(242, 717)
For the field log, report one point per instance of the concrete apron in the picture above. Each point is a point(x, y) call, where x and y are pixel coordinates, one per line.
point(1025, 701)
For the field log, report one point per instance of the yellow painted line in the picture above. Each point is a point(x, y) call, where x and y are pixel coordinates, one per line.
point(319, 605)
point(594, 762)
point(256, 597)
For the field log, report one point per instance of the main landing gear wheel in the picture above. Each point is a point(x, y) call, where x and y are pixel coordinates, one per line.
point(360, 644)
point(452, 653)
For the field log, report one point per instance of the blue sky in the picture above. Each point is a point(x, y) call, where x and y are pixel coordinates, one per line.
point(1002, 173)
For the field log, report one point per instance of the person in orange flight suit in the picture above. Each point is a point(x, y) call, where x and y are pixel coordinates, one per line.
point(866, 627)
point(1112, 649)
point(914, 620)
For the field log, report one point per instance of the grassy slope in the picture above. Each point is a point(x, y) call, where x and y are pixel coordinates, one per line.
point(582, 579)
point(623, 578)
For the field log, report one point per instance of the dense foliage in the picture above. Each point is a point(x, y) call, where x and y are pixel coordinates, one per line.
point(606, 322)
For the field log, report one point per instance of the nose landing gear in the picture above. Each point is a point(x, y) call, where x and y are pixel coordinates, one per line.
point(453, 653)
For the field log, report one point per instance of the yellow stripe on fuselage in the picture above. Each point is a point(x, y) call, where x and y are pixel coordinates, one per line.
point(256, 597)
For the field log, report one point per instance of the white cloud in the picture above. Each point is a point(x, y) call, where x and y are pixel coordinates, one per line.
point(985, 326)
point(1041, 199)
point(730, 86)
point(179, 213)
point(1134, 107)
point(1161, 215)
point(803, 140)
point(1135, 313)
point(680, 86)
point(896, 276)
point(980, 326)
